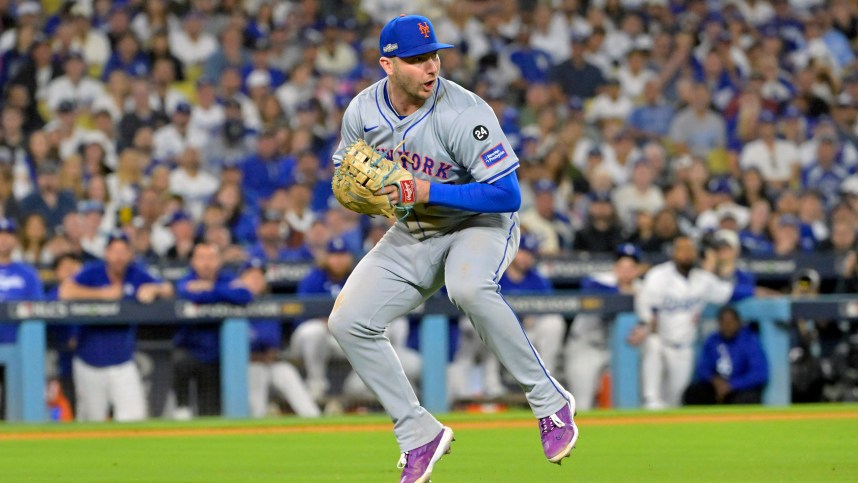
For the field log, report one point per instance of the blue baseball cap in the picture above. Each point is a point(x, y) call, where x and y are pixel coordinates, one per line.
point(529, 242)
point(543, 185)
point(117, 235)
point(408, 36)
point(178, 216)
point(8, 225)
point(337, 245)
point(253, 263)
point(767, 117)
point(628, 250)
point(719, 186)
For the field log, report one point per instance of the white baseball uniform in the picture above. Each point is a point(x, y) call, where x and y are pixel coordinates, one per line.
point(670, 304)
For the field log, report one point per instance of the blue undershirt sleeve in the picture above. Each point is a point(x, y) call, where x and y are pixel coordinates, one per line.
point(502, 196)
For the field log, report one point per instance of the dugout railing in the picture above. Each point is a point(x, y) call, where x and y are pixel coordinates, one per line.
point(24, 360)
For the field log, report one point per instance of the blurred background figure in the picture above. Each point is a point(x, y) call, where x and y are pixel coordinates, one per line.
point(268, 374)
point(586, 353)
point(732, 368)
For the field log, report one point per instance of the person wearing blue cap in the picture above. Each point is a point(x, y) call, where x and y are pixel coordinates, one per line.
point(457, 227)
point(182, 227)
point(268, 374)
point(105, 374)
point(197, 356)
point(587, 353)
point(777, 160)
point(171, 140)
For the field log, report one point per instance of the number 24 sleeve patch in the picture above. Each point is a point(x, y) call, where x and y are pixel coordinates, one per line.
point(480, 133)
point(494, 155)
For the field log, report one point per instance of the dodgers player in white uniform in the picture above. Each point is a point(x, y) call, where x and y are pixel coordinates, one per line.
point(668, 306)
point(463, 231)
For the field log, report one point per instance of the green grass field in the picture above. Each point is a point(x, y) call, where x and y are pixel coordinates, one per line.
point(814, 443)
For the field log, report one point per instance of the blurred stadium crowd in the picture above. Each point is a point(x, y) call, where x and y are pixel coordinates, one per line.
point(636, 121)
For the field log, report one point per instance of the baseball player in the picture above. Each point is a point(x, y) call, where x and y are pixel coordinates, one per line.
point(668, 305)
point(197, 354)
point(18, 281)
point(458, 227)
point(313, 343)
point(545, 331)
point(587, 353)
point(104, 370)
point(266, 371)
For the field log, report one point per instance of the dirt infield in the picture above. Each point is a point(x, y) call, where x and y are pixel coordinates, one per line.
point(113, 432)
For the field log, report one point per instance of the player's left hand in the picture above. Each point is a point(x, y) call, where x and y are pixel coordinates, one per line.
point(421, 186)
point(147, 293)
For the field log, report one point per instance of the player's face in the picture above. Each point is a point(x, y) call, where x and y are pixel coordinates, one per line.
point(524, 260)
point(339, 264)
point(684, 253)
point(626, 270)
point(728, 325)
point(67, 269)
point(7, 244)
point(118, 255)
point(415, 76)
point(206, 261)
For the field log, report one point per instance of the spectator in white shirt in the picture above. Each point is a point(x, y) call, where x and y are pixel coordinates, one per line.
point(191, 44)
point(610, 104)
point(777, 160)
point(194, 185)
point(638, 195)
point(74, 85)
point(634, 75)
point(334, 56)
point(207, 114)
point(172, 139)
point(550, 33)
point(92, 42)
point(28, 13)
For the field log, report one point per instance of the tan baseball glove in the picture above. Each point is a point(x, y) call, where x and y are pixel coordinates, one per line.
point(363, 172)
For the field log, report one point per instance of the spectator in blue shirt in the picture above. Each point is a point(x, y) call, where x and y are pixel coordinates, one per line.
point(267, 372)
point(825, 175)
point(18, 281)
point(127, 57)
point(732, 368)
point(270, 243)
point(265, 171)
point(197, 354)
point(104, 370)
point(651, 120)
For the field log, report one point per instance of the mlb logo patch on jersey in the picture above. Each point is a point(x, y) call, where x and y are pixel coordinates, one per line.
point(494, 155)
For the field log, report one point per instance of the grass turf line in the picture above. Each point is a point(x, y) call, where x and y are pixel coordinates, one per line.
point(749, 450)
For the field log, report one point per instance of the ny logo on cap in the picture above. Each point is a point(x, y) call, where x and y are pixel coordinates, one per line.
point(424, 29)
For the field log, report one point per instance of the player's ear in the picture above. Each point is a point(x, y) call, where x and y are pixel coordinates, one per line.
point(386, 63)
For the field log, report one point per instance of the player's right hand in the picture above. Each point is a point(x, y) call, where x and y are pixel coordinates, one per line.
point(638, 335)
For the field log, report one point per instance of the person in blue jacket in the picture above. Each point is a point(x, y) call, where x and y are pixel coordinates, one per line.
point(18, 281)
point(732, 368)
point(197, 355)
point(105, 374)
point(267, 372)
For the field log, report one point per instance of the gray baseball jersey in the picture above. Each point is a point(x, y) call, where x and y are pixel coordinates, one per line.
point(453, 138)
